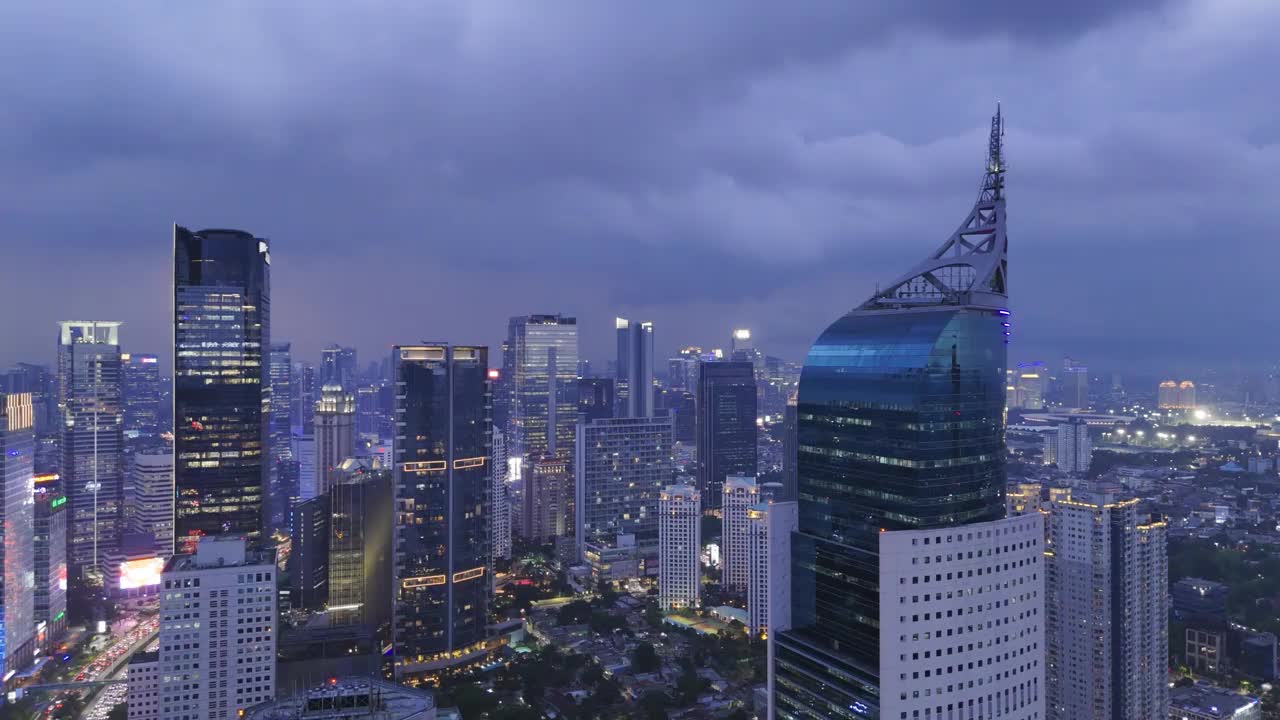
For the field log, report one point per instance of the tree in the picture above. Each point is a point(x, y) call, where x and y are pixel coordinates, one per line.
point(655, 703)
point(645, 658)
point(119, 712)
point(575, 613)
point(72, 707)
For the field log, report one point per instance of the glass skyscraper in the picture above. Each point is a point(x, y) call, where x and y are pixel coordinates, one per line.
point(633, 388)
point(141, 395)
point(222, 335)
point(91, 400)
point(901, 479)
point(726, 426)
point(338, 367)
point(442, 459)
point(282, 483)
point(17, 526)
point(544, 358)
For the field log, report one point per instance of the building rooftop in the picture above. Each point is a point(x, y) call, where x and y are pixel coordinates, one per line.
point(221, 551)
point(368, 698)
point(1210, 701)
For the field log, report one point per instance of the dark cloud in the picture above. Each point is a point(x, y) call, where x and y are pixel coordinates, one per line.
point(425, 170)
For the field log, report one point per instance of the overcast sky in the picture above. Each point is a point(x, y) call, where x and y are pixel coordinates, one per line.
point(426, 169)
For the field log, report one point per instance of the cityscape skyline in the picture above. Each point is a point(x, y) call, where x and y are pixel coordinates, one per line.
point(761, 168)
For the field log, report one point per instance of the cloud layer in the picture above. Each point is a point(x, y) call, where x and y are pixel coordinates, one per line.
point(425, 170)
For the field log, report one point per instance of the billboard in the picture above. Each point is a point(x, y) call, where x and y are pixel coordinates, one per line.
point(140, 573)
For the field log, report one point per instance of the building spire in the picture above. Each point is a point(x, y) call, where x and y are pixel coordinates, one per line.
point(971, 267)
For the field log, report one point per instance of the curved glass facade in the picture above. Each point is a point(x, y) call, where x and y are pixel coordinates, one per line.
point(900, 427)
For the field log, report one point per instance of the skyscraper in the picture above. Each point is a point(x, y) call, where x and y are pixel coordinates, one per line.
point(548, 501)
point(726, 426)
point(680, 539)
point(741, 494)
point(90, 397)
point(221, 381)
point(790, 451)
point(544, 386)
point(769, 528)
point(217, 615)
point(335, 430)
point(912, 595)
point(1075, 384)
point(309, 552)
point(1073, 448)
point(50, 560)
point(500, 499)
point(338, 367)
point(360, 531)
point(282, 484)
point(442, 456)
point(634, 380)
point(1107, 610)
point(17, 525)
point(141, 395)
point(153, 497)
point(623, 464)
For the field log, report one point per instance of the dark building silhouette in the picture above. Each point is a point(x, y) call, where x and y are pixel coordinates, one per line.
point(221, 382)
point(595, 398)
point(442, 489)
point(726, 426)
point(309, 553)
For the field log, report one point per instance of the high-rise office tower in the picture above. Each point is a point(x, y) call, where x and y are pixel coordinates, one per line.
point(141, 394)
point(1075, 383)
point(769, 528)
point(500, 499)
point(595, 398)
point(221, 382)
point(306, 390)
point(790, 451)
point(50, 542)
point(335, 429)
point(1107, 610)
point(338, 367)
point(360, 530)
point(218, 631)
point(726, 426)
point(1175, 395)
point(1073, 448)
point(442, 455)
point(152, 482)
point(740, 495)
point(623, 464)
point(17, 525)
point(912, 594)
point(634, 380)
point(544, 386)
point(43, 386)
point(309, 553)
point(682, 406)
point(682, 370)
point(282, 474)
point(368, 411)
point(304, 457)
point(1030, 380)
point(679, 537)
point(548, 501)
point(90, 396)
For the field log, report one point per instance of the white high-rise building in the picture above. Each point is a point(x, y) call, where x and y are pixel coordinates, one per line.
point(1074, 448)
point(500, 523)
point(679, 533)
point(740, 495)
point(769, 527)
point(153, 498)
point(335, 434)
point(218, 629)
point(1106, 610)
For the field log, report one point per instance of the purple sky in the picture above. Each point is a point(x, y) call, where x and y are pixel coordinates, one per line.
point(425, 170)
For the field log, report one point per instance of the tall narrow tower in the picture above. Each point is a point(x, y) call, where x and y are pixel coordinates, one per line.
point(633, 385)
point(912, 594)
point(221, 382)
point(90, 396)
